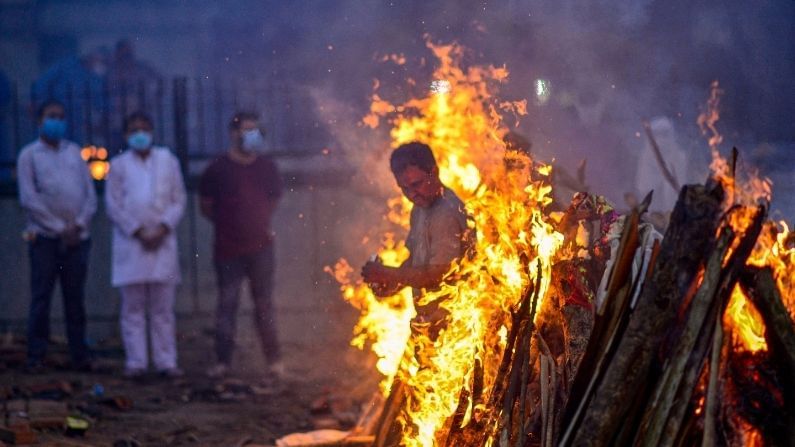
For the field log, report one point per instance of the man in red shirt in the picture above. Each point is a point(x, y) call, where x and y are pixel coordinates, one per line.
point(239, 192)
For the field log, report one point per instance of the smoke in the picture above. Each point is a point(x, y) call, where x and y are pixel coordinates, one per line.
point(609, 66)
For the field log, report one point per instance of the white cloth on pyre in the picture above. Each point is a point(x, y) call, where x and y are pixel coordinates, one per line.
point(647, 235)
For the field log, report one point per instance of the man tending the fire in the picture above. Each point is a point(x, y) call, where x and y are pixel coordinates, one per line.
point(578, 328)
point(438, 233)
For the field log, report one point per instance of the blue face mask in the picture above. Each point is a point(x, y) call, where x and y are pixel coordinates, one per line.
point(53, 128)
point(140, 140)
point(253, 141)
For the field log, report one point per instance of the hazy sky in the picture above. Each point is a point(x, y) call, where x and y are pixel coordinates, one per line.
point(610, 64)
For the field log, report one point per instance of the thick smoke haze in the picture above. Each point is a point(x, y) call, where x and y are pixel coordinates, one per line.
point(609, 66)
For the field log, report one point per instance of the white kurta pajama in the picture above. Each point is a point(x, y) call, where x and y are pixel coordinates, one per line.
point(144, 193)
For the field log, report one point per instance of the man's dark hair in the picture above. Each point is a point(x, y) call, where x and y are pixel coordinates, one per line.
point(137, 116)
point(45, 105)
point(412, 154)
point(239, 117)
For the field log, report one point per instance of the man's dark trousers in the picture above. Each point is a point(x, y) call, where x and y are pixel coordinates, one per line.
point(51, 260)
point(258, 268)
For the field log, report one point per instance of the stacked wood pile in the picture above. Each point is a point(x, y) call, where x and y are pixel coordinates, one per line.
point(658, 368)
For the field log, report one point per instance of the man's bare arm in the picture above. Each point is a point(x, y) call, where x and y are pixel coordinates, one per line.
point(422, 277)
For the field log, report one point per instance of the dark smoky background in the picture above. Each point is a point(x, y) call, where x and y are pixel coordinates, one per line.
point(606, 66)
point(591, 72)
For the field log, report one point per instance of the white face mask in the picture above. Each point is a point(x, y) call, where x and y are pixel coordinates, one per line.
point(253, 141)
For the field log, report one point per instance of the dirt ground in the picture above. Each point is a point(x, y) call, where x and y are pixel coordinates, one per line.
point(325, 386)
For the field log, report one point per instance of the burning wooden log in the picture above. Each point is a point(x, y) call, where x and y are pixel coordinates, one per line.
point(780, 334)
point(761, 287)
point(678, 382)
point(604, 409)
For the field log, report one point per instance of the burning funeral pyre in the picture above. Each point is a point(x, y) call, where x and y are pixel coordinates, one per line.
point(570, 324)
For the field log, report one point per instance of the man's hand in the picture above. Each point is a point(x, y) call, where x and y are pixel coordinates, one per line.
point(71, 235)
point(383, 290)
point(384, 281)
point(375, 272)
point(152, 238)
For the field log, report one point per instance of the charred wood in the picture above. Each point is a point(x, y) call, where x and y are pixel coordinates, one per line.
point(693, 224)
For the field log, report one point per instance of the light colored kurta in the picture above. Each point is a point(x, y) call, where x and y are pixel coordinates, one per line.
point(143, 193)
point(438, 234)
point(55, 188)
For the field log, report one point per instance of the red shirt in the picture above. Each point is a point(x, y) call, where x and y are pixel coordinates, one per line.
point(244, 197)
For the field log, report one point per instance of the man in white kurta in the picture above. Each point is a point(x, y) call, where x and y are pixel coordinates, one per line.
point(145, 200)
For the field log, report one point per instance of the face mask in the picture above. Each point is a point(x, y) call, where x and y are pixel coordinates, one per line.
point(53, 128)
point(140, 140)
point(253, 141)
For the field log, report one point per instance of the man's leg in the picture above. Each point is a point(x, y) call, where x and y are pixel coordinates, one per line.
point(43, 272)
point(230, 277)
point(259, 270)
point(132, 319)
point(74, 265)
point(162, 328)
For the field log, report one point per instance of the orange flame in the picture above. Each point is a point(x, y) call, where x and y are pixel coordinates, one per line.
point(461, 120)
point(747, 188)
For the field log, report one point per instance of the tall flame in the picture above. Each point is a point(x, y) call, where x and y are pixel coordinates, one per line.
point(384, 322)
point(461, 120)
point(773, 248)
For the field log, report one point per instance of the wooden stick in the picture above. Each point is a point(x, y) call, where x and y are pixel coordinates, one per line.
point(502, 381)
point(686, 244)
point(553, 393)
point(523, 397)
point(761, 287)
point(662, 400)
point(713, 388)
point(669, 177)
point(369, 417)
point(730, 274)
point(608, 327)
point(544, 376)
point(385, 429)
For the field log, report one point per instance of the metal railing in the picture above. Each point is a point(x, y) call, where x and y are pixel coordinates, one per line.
point(190, 116)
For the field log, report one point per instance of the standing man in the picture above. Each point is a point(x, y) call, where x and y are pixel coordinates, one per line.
point(145, 199)
point(239, 192)
point(57, 193)
point(438, 234)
